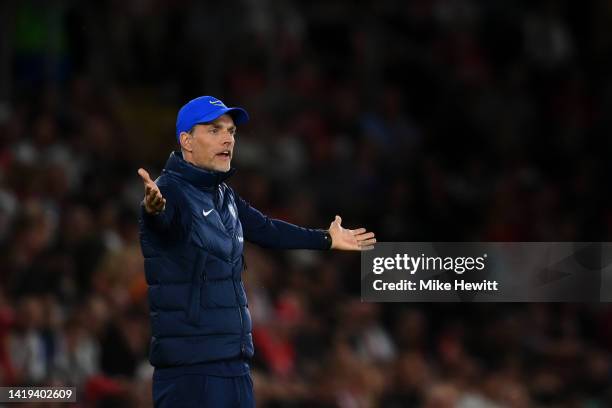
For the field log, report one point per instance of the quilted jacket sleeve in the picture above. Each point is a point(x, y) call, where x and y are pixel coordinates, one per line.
point(272, 233)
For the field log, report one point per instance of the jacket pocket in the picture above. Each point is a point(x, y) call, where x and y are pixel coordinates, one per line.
point(198, 276)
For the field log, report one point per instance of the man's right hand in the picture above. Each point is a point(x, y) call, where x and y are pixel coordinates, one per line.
point(154, 202)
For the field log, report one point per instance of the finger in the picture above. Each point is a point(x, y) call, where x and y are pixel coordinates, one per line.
point(367, 242)
point(358, 231)
point(160, 205)
point(144, 175)
point(367, 248)
point(152, 189)
point(338, 219)
point(157, 200)
point(152, 195)
point(362, 237)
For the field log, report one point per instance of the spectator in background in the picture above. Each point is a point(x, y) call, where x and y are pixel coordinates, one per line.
point(28, 346)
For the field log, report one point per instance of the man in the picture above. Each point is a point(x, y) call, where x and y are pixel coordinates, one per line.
point(192, 229)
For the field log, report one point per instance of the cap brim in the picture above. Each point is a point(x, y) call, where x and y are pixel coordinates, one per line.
point(239, 115)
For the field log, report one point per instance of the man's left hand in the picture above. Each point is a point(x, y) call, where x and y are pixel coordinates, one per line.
point(350, 240)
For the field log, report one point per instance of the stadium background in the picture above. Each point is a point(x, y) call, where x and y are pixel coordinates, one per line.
point(425, 120)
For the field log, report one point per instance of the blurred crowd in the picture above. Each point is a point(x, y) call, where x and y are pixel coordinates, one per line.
point(424, 120)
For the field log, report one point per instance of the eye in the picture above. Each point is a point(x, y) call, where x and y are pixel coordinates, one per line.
point(214, 130)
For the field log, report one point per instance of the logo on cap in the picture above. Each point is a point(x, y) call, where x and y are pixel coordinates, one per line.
point(216, 103)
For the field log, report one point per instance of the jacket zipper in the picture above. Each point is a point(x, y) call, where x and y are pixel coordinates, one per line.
point(198, 279)
point(216, 198)
point(242, 347)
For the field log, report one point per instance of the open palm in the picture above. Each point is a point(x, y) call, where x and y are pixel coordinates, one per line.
point(350, 239)
point(154, 201)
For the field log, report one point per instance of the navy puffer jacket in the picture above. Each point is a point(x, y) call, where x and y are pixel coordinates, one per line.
point(193, 265)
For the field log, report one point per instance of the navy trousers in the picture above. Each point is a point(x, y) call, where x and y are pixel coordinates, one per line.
point(203, 391)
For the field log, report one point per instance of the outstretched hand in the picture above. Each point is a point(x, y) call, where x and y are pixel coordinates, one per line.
point(154, 201)
point(350, 240)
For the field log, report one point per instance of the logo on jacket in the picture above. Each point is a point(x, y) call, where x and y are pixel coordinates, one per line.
point(207, 212)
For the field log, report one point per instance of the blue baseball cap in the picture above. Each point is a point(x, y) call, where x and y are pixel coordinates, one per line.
point(205, 109)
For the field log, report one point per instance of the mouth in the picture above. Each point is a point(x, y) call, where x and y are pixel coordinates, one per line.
point(224, 155)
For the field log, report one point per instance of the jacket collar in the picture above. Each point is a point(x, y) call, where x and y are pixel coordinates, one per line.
point(197, 176)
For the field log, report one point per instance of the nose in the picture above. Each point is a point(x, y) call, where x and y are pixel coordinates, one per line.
point(228, 138)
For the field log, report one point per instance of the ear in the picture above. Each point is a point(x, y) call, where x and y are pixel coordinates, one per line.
point(185, 139)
